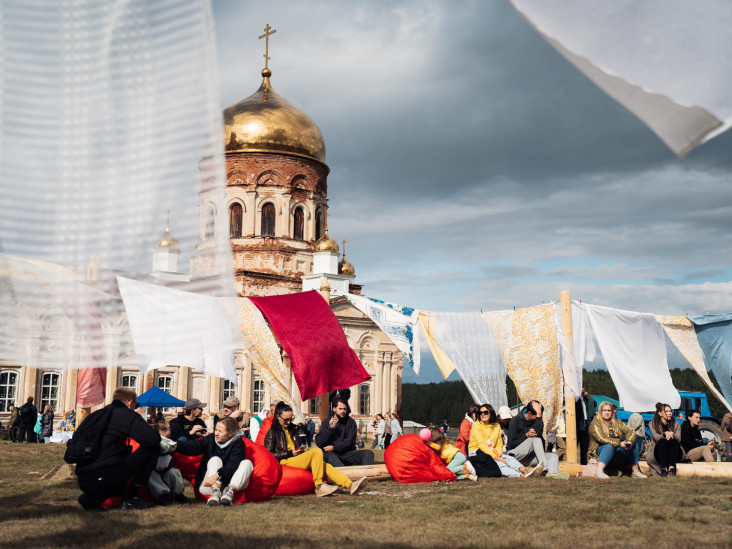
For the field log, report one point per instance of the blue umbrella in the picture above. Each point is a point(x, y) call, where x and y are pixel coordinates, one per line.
point(156, 397)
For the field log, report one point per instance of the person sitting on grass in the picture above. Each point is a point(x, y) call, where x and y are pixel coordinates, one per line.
point(471, 416)
point(224, 467)
point(337, 438)
point(525, 435)
point(611, 442)
point(693, 443)
point(453, 458)
point(282, 441)
point(486, 437)
point(665, 442)
point(108, 474)
point(165, 482)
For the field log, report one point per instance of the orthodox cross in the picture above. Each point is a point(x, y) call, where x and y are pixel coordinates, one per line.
point(266, 36)
point(344, 248)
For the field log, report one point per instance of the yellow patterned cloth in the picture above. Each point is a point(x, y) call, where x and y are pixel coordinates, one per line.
point(680, 330)
point(533, 362)
point(427, 321)
point(265, 354)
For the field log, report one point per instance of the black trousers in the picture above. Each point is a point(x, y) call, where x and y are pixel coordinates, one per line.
point(387, 440)
point(667, 452)
point(103, 484)
point(23, 429)
point(485, 465)
point(354, 457)
point(583, 438)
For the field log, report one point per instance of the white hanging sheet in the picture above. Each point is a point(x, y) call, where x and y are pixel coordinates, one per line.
point(583, 348)
point(634, 350)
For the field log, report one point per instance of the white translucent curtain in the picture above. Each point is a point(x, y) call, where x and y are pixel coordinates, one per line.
point(109, 117)
point(664, 60)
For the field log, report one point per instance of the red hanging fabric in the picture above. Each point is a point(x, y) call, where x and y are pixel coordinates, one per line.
point(314, 340)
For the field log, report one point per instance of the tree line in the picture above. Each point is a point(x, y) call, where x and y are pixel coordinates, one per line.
point(449, 400)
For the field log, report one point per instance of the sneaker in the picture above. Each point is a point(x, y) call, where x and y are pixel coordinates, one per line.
point(325, 490)
point(358, 485)
point(664, 472)
point(672, 471)
point(164, 500)
point(227, 496)
point(135, 504)
point(474, 478)
point(180, 498)
point(536, 471)
point(215, 498)
point(89, 504)
point(638, 474)
point(471, 469)
point(601, 475)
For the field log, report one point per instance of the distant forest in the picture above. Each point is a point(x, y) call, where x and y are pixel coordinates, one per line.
point(433, 402)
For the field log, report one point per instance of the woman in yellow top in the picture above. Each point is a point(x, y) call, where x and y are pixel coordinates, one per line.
point(283, 442)
point(450, 455)
point(486, 437)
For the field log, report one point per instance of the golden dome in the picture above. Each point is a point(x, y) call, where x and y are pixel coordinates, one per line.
point(168, 241)
point(264, 122)
point(345, 268)
point(326, 244)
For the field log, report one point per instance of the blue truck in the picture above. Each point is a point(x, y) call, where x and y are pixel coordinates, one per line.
point(710, 426)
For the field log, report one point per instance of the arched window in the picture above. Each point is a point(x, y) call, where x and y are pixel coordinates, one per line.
point(268, 220)
point(8, 389)
point(209, 221)
point(165, 382)
point(129, 381)
point(319, 224)
point(298, 224)
point(258, 395)
point(49, 390)
point(235, 218)
point(227, 389)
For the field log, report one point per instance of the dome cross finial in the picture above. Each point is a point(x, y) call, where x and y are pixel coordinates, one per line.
point(266, 36)
point(344, 248)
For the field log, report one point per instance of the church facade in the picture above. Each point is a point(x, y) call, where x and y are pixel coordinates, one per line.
point(277, 205)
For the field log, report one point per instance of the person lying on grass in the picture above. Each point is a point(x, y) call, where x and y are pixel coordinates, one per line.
point(453, 458)
point(224, 468)
point(486, 439)
point(611, 442)
point(282, 441)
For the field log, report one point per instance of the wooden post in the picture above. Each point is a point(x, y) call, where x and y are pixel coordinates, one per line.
point(570, 414)
point(323, 408)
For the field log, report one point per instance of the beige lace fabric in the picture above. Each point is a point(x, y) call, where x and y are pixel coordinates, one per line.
point(680, 330)
point(265, 354)
point(533, 362)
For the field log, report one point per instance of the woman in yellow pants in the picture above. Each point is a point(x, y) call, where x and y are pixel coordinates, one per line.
point(283, 442)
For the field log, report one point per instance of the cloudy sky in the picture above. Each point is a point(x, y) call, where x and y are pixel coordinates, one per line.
point(472, 167)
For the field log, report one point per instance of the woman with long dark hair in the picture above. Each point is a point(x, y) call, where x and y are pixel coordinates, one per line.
point(461, 443)
point(479, 455)
point(666, 433)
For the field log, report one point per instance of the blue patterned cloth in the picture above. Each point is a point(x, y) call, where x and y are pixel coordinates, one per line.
point(714, 333)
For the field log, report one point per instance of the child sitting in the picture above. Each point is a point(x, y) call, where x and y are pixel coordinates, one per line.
point(453, 458)
point(166, 482)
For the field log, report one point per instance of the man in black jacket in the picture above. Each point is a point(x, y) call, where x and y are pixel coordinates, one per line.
point(337, 438)
point(27, 417)
point(525, 435)
point(107, 476)
point(693, 443)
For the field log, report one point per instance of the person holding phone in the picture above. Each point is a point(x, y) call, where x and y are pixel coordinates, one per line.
point(189, 425)
point(337, 438)
point(611, 442)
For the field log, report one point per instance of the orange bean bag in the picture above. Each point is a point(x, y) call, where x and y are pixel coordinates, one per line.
point(266, 424)
point(295, 482)
point(262, 484)
point(409, 460)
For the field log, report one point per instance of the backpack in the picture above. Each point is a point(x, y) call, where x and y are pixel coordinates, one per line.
point(27, 415)
point(85, 446)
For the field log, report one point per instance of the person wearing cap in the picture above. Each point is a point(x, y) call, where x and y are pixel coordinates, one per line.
point(504, 419)
point(231, 408)
point(189, 426)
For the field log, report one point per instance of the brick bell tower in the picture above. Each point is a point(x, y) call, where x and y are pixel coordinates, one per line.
point(276, 194)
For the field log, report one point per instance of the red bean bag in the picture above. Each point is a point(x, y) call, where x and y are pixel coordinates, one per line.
point(409, 460)
point(262, 484)
point(266, 424)
point(143, 492)
point(295, 482)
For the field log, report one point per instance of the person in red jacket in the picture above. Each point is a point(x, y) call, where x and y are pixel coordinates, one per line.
point(461, 443)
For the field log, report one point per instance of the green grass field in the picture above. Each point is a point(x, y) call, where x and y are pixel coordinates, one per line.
point(676, 512)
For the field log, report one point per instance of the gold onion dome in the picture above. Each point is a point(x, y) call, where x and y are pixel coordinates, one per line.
point(345, 267)
point(168, 241)
point(265, 122)
point(326, 244)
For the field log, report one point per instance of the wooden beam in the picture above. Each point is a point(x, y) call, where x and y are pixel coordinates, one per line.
point(570, 413)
